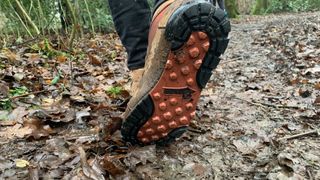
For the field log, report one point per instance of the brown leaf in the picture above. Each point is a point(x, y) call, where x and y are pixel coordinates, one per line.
point(61, 59)
point(11, 56)
point(57, 114)
point(317, 101)
point(33, 57)
point(112, 126)
point(15, 131)
point(87, 169)
point(4, 89)
point(38, 129)
point(317, 86)
point(247, 145)
point(199, 169)
point(285, 160)
point(33, 172)
point(141, 156)
point(18, 114)
point(113, 165)
point(304, 92)
point(95, 60)
point(7, 123)
point(294, 81)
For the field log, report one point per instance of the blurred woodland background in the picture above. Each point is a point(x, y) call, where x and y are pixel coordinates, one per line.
point(36, 18)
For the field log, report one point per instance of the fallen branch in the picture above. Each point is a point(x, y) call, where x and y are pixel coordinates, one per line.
point(32, 93)
point(316, 132)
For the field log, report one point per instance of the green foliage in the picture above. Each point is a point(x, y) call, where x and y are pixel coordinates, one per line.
point(262, 6)
point(56, 79)
point(278, 6)
point(103, 20)
point(114, 91)
point(6, 103)
point(3, 20)
point(46, 15)
point(18, 91)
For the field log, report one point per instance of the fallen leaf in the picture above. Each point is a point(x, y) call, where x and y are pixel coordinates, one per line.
point(36, 129)
point(95, 60)
point(317, 101)
point(56, 79)
point(87, 170)
point(5, 164)
point(112, 126)
point(20, 163)
point(4, 89)
point(4, 115)
point(33, 172)
point(113, 165)
point(141, 155)
point(81, 114)
point(285, 161)
point(247, 145)
point(61, 58)
point(32, 56)
point(11, 56)
point(18, 76)
point(313, 70)
point(18, 114)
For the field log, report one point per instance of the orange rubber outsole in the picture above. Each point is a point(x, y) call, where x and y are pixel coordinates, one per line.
point(198, 34)
point(172, 111)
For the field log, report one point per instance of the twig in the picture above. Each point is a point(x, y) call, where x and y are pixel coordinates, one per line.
point(250, 102)
point(309, 174)
point(300, 135)
point(71, 71)
point(231, 60)
point(262, 104)
point(277, 106)
point(27, 94)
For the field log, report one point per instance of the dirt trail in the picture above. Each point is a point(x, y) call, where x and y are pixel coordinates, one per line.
point(267, 87)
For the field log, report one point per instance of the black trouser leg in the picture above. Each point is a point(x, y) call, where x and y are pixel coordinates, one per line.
point(131, 19)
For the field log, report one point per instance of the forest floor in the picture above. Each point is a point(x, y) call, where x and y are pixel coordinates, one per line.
point(258, 118)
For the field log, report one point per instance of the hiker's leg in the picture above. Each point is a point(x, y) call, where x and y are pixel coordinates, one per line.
point(132, 19)
point(221, 4)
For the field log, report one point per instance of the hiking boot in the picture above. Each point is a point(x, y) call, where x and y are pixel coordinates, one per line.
point(185, 41)
point(136, 76)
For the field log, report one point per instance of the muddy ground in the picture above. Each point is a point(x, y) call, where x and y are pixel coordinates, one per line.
point(258, 118)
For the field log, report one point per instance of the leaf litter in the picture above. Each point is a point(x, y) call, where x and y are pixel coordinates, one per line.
point(258, 118)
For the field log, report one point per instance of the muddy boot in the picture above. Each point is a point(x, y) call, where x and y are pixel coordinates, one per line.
point(136, 76)
point(185, 41)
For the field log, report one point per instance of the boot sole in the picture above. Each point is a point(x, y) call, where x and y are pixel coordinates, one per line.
point(198, 33)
